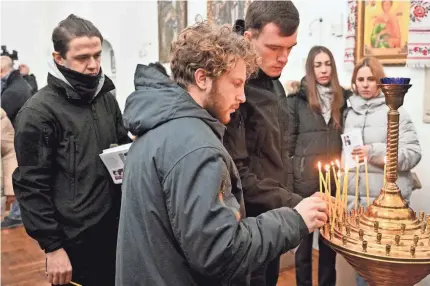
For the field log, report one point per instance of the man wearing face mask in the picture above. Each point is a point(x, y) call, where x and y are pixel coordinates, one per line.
point(68, 201)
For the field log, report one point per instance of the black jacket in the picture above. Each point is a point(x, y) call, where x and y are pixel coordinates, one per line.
point(61, 184)
point(14, 94)
point(182, 217)
point(309, 140)
point(254, 139)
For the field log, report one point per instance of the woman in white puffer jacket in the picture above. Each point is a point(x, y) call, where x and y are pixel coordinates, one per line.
point(367, 112)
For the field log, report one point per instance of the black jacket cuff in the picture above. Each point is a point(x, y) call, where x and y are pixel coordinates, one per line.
point(54, 246)
point(303, 228)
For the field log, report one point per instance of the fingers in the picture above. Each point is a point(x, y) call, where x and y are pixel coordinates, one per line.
point(321, 207)
point(68, 276)
point(319, 223)
point(356, 151)
point(61, 278)
point(55, 279)
point(50, 278)
point(321, 216)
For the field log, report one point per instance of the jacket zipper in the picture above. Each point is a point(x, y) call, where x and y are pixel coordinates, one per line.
point(96, 126)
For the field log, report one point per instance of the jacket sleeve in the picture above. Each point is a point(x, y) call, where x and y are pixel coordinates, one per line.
point(34, 143)
point(265, 193)
point(205, 220)
point(409, 146)
point(8, 155)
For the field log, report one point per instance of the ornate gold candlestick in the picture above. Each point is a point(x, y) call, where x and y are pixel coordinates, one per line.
point(387, 244)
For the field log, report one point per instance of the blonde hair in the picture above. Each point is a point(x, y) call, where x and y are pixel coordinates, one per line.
point(375, 67)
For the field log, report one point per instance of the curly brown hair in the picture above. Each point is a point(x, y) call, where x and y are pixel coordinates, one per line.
point(211, 48)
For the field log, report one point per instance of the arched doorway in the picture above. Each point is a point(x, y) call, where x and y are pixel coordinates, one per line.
point(108, 62)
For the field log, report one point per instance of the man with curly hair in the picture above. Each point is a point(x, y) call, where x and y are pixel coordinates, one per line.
point(182, 217)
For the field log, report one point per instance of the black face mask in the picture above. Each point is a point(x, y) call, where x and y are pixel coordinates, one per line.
point(85, 85)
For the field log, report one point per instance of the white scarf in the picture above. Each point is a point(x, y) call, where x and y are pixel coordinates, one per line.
point(325, 97)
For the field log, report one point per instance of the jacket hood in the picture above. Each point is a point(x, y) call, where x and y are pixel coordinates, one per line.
point(296, 88)
point(157, 99)
point(362, 106)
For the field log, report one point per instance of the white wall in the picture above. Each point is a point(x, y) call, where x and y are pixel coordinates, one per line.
point(131, 28)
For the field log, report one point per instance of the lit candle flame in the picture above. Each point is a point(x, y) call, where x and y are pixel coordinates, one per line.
point(327, 168)
point(338, 163)
point(319, 166)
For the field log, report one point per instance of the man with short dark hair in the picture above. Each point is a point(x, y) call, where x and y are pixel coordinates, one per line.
point(68, 201)
point(254, 137)
point(182, 217)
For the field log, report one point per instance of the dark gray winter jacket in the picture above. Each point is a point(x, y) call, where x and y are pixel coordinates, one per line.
point(182, 219)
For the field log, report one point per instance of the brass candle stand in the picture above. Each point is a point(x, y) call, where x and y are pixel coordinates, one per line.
point(387, 244)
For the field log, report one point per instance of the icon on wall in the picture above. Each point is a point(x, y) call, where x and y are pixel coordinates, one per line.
point(382, 31)
point(222, 12)
point(172, 19)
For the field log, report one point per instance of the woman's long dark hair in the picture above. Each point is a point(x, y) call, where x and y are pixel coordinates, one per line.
point(312, 94)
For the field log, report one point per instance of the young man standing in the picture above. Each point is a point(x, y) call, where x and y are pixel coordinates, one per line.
point(254, 137)
point(182, 217)
point(68, 201)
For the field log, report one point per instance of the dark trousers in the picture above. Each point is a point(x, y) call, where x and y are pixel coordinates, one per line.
point(326, 263)
point(267, 275)
point(93, 256)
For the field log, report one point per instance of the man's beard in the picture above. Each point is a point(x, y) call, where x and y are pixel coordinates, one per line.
point(214, 105)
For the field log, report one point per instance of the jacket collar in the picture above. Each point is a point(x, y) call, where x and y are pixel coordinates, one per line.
point(57, 81)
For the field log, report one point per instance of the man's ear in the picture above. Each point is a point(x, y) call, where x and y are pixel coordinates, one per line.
point(58, 58)
point(248, 35)
point(201, 78)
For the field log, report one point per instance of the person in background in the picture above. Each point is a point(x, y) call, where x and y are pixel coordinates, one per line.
point(254, 137)
point(8, 165)
point(368, 114)
point(182, 216)
point(15, 91)
point(68, 200)
point(30, 78)
point(313, 135)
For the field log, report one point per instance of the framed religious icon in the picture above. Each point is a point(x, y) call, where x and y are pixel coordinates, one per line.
point(382, 31)
point(172, 19)
point(222, 12)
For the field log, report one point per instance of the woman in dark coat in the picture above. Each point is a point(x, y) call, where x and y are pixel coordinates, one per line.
point(313, 135)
